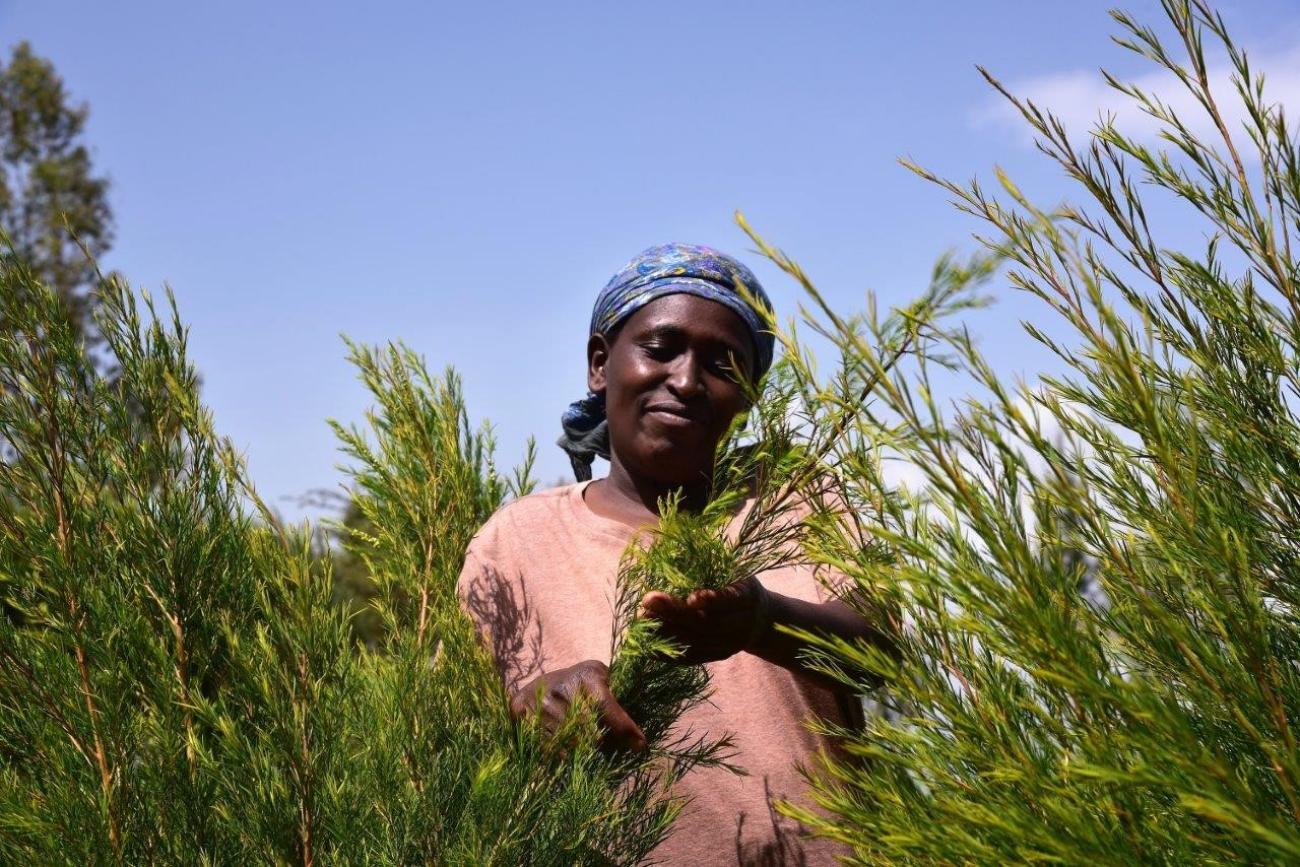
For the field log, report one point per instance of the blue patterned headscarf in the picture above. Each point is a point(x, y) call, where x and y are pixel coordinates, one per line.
point(666, 270)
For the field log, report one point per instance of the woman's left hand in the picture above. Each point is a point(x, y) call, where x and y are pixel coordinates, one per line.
point(712, 624)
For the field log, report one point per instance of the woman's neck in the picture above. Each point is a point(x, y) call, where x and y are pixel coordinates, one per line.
point(634, 499)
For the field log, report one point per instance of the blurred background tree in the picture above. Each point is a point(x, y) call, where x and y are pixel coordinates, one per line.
point(51, 199)
point(353, 586)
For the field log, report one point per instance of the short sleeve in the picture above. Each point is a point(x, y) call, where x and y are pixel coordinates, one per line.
point(492, 594)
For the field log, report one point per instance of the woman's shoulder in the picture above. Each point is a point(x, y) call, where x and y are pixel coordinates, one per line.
point(530, 513)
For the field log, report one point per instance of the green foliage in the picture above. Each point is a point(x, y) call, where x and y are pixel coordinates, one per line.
point(687, 552)
point(52, 203)
point(177, 683)
point(1029, 724)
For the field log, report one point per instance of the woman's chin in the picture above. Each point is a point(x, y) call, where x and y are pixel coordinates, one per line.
point(674, 464)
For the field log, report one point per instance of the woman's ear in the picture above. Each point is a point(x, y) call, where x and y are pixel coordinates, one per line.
point(597, 359)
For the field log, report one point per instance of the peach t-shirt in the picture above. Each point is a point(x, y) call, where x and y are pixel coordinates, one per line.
point(539, 580)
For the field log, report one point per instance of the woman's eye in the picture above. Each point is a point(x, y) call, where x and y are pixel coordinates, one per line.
point(658, 351)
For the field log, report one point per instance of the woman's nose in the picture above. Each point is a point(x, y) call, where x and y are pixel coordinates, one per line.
point(684, 380)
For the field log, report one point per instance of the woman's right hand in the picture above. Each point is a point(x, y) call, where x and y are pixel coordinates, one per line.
point(552, 693)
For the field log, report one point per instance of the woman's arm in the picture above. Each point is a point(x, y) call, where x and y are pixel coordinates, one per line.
point(834, 619)
point(715, 624)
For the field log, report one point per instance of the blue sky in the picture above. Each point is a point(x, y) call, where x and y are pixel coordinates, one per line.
point(466, 177)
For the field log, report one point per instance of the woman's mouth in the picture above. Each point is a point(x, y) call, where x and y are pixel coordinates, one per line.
point(673, 415)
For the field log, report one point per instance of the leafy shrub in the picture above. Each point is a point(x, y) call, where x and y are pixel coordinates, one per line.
point(177, 684)
point(1156, 722)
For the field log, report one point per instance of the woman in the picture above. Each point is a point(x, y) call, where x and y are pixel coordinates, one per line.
point(539, 576)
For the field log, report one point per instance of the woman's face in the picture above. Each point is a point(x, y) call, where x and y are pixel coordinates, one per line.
point(670, 390)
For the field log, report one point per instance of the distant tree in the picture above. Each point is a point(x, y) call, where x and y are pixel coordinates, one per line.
point(353, 586)
point(51, 200)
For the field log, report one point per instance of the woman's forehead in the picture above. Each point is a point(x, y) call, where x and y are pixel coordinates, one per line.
point(690, 314)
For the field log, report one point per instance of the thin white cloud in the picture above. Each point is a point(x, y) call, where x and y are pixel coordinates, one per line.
point(1081, 97)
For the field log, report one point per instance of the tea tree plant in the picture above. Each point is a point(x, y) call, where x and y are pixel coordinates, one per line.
point(482, 789)
point(177, 684)
point(1028, 723)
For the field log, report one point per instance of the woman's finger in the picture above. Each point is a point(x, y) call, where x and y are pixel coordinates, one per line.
point(621, 730)
point(663, 607)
